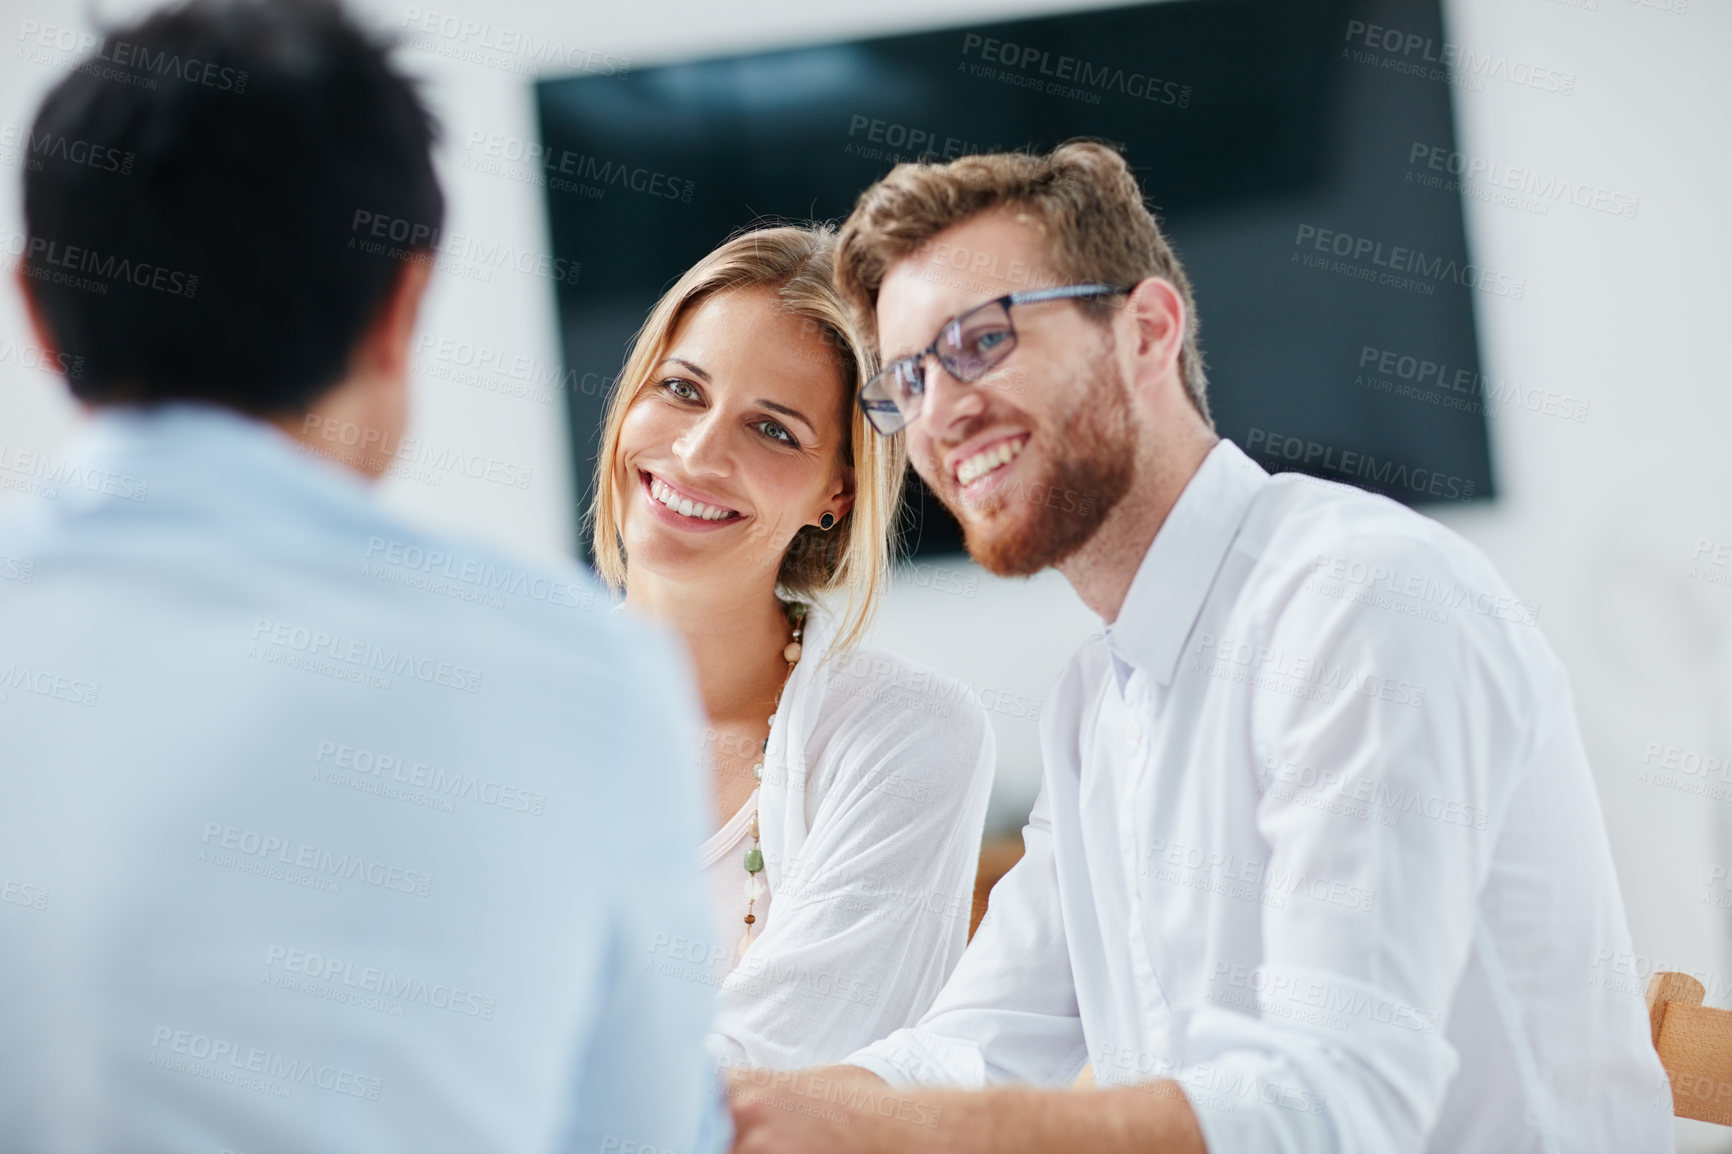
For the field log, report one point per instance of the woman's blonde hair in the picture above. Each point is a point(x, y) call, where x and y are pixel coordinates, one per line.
point(797, 263)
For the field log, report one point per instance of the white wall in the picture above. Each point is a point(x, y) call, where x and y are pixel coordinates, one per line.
point(1598, 520)
point(1601, 519)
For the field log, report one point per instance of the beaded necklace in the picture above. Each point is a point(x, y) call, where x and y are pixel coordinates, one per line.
point(755, 856)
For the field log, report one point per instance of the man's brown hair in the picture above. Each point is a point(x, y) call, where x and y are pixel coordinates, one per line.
point(1083, 196)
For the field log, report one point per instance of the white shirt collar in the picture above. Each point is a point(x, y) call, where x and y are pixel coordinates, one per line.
point(200, 448)
point(1167, 593)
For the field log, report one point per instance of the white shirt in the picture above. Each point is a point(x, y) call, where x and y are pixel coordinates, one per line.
point(870, 815)
point(1316, 838)
point(337, 834)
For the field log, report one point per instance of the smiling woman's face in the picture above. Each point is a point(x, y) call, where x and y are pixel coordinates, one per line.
point(733, 444)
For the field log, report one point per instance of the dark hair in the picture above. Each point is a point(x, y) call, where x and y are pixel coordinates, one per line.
point(226, 245)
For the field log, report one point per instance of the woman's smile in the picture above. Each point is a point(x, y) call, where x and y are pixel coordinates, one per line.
point(681, 508)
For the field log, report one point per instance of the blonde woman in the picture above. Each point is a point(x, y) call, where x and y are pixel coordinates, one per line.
point(742, 500)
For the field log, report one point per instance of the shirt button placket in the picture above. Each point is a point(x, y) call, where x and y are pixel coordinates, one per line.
point(1131, 827)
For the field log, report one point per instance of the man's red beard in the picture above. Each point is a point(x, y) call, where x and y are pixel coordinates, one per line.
point(1041, 520)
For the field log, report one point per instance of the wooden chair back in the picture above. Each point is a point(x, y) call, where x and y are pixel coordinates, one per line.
point(1695, 1045)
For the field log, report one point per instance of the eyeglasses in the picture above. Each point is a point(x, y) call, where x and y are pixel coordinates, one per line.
point(968, 346)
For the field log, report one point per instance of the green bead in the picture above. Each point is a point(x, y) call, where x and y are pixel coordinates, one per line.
point(754, 860)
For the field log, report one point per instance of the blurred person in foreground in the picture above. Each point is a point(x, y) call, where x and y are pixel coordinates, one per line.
point(1314, 865)
point(336, 834)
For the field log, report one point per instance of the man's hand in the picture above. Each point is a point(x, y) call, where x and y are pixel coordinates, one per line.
point(740, 1078)
point(847, 1110)
point(771, 1125)
point(833, 1110)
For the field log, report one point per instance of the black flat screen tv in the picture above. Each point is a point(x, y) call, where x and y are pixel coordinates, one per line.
point(1298, 152)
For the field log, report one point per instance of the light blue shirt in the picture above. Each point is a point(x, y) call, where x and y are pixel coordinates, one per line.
point(322, 832)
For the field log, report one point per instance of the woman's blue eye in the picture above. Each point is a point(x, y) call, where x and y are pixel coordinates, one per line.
point(684, 390)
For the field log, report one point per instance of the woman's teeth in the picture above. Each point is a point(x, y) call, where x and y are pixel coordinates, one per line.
point(975, 467)
point(685, 506)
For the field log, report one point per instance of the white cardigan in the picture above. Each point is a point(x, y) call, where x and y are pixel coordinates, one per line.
point(870, 816)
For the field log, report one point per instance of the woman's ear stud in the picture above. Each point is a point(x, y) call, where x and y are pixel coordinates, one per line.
point(827, 521)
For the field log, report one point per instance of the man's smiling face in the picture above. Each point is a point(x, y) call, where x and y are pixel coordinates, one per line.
point(1034, 455)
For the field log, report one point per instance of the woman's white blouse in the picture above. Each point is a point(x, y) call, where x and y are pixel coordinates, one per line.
point(870, 816)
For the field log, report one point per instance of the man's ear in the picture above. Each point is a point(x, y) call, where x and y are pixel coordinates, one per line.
point(384, 347)
point(1158, 312)
point(33, 314)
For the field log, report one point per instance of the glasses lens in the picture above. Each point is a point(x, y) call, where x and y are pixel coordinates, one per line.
point(885, 417)
point(976, 341)
point(883, 402)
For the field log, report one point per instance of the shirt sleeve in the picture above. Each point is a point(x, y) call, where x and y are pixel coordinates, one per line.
point(871, 917)
point(1009, 1012)
point(1366, 925)
point(644, 1081)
